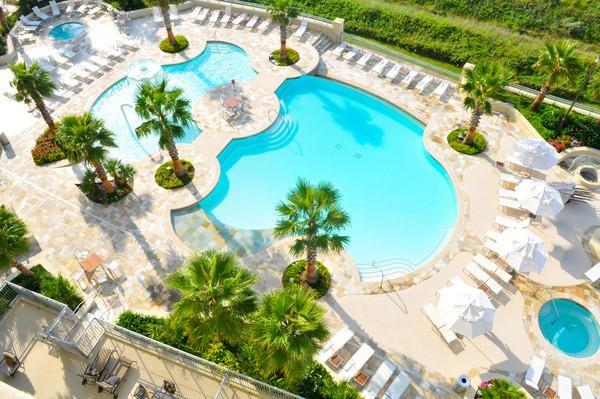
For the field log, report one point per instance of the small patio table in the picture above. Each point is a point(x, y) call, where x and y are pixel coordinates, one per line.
point(91, 263)
point(232, 102)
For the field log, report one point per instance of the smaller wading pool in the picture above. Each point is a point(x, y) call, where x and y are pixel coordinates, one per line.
point(569, 327)
point(66, 31)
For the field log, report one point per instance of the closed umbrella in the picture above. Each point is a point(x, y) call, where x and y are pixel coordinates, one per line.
point(467, 310)
point(539, 198)
point(535, 154)
point(522, 249)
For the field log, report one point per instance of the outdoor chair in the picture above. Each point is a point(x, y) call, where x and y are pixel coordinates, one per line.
point(365, 59)
point(328, 352)
point(10, 363)
point(113, 376)
point(95, 369)
point(378, 381)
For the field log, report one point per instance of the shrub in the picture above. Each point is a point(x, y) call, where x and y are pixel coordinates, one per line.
point(47, 149)
point(166, 178)
point(94, 191)
point(181, 44)
point(292, 57)
point(127, 5)
point(292, 275)
point(455, 141)
point(55, 287)
point(318, 384)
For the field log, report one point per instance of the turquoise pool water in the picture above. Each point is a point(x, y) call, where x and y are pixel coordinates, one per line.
point(570, 327)
point(218, 64)
point(401, 201)
point(66, 31)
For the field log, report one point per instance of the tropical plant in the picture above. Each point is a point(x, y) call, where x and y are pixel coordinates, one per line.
point(3, 21)
point(559, 62)
point(163, 5)
point(288, 330)
point(485, 80)
point(166, 112)
point(123, 173)
point(13, 241)
point(216, 298)
point(282, 12)
point(33, 84)
point(84, 138)
point(313, 215)
point(500, 389)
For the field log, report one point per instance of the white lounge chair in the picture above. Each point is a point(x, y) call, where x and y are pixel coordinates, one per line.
point(202, 16)
point(512, 223)
point(100, 61)
point(95, 9)
point(67, 52)
point(502, 192)
point(24, 37)
point(585, 392)
point(264, 25)
point(302, 29)
point(474, 271)
point(54, 8)
point(252, 22)
point(91, 68)
point(349, 55)
point(393, 72)
point(156, 15)
point(195, 12)
point(83, 7)
point(70, 7)
point(365, 58)
point(593, 274)
point(58, 59)
point(398, 387)
point(424, 83)
point(46, 65)
point(442, 88)
point(380, 66)
point(29, 22)
point(438, 322)
point(509, 204)
point(39, 13)
point(338, 50)
point(508, 180)
point(493, 268)
point(226, 17)
point(214, 16)
point(239, 19)
point(492, 235)
point(534, 372)
point(173, 12)
point(356, 362)
point(409, 77)
point(334, 344)
point(565, 387)
point(379, 379)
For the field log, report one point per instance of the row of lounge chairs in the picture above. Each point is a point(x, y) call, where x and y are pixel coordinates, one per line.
point(214, 17)
point(533, 378)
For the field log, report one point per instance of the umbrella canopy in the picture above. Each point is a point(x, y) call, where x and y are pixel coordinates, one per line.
point(535, 154)
point(522, 249)
point(539, 198)
point(467, 310)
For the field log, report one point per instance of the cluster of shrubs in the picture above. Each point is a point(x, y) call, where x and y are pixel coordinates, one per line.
point(181, 43)
point(46, 149)
point(55, 287)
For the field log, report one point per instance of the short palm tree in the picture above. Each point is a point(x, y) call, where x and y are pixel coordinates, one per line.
point(313, 215)
point(559, 62)
point(481, 83)
point(122, 172)
point(33, 84)
point(166, 112)
point(288, 330)
point(216, 297)
point(13, 241)
point(163, 5)
point(282, 12)
point(84, 138)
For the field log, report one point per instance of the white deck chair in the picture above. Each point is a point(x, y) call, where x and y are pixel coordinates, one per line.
point(226, 17)
point(91, 68)
point(95, 9)
point(424, 83)
point(380, 66)
point(24, 37)
point(442, 88)
point(585, 392)
point(565, 387)
point(239, 19)
point(492, 235)
point(302, 29)
point(252, 22)
point(474, 271)
point(156, 15)
point(264, 25)
point(100, 61)
point(379, 379)
point(28, 21)
point(365, 58)
point(513, 223)
point(534, 372)
point(409, 77)
point(351, 54)
point(338, 50)
point(202, 16)
point(70, 7)
point(356, 362)
point(55, 9)
point(493, 268)
point(438, 322)
point(393, 72)
point(173, 12)
point(214, 16)
point(195, 12)
point(67, 52)
point(509, 180)
point(83, 7)
point(593, 274)
point(39, 13)
point(334, 344)
point(69, 83)
point(504, 193)
point(58, 59)
point(509, 204)
point(398, 387)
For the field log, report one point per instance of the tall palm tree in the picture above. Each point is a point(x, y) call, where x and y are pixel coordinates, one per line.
point(84, 138)
point(216, 297)
point(486, 80)
point(163, 5)
point(33, 84)
point(559, 61)
point(167, 112)
point(313, 215)
point(288, 330)
point(282, 12)
point(13, 241)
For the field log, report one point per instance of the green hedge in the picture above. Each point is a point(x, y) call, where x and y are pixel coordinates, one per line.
point(55, 287)
point(166, 178)
point(180, 45)
point(478, 146)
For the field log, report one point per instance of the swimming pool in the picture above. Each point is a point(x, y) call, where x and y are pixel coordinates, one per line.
point(401, 201)
point(66, 31)
point(569, 327)
point(218, 64)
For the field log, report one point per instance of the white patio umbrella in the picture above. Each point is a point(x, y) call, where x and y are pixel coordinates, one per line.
point(535, 154)
point(466, 310)
point(539, 198)
point(522, 249)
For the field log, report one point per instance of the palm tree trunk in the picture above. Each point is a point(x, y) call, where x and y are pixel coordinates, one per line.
point(311, 269)
point(282, 41)
point(473, 124)
point(3, 20)
point(540, 98)
point(108, 186)
point(21, 268)
point(41, 106)
point(168, 26)
point(177, 165)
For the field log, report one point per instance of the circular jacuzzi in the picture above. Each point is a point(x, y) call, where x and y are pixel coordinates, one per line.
point(66, 31)
point(570, 328)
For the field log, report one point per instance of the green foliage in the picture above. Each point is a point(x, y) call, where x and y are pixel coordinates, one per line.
point(292, 57)
point(13, 237)
point(166, 178)
point(282, 12)
point(484, 81)
point(293, 275)
point(500, 389)
point(32, 283)
point(181, 44)
point(55, 287)
point(127, 5)
point(318, 384)
point(123, 173)
point(559, 62)
point(84, 138)
point(139, 323)
point(94, 192)
point(455, 141)
point(47, 149)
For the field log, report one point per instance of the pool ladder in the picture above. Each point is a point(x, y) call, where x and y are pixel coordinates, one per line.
point(132, 132)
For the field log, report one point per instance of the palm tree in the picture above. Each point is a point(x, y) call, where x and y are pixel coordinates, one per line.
point(560, 63)
point(282, 12)
point(122, 172)
point(216, 297)
point(288, 331)
point(167, 112)
point(486, 80)
point(33, 84)
point(163, 5)
point(13, 241)
point(84, 138)
point(3, 21)
point(313, 215)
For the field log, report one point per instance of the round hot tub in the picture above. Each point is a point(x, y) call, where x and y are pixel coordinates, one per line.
point(66, 31)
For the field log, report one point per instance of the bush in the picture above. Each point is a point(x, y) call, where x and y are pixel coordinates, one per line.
point(292, 57)
point(127, 5)
point(47, 149)
point(55, 287)
point(455, 141)
point(292, 275)
point(167, 47)
point(318, 384)
point(166, 178)
point(94, 191)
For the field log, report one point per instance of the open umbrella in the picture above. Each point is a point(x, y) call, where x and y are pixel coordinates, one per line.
point(522, 249)
point(467, 310)
point(535, 154)
point(539, 198)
